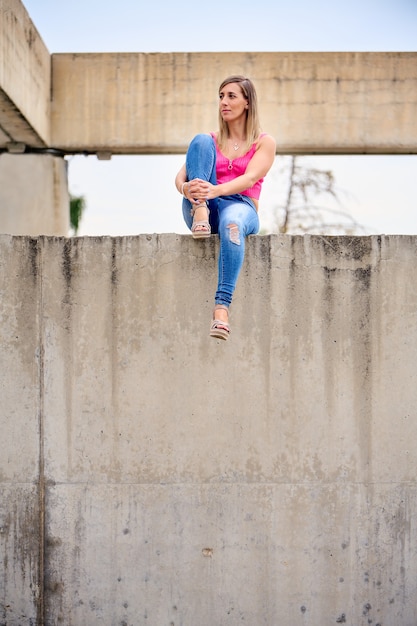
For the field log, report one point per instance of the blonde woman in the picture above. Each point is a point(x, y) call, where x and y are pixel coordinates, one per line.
point(221, 182)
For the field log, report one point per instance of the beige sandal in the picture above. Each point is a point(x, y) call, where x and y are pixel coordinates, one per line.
point(219, 329)
point(201, 229)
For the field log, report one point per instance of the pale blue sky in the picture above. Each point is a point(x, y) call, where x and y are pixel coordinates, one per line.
point(216, 25)
point(123, 195)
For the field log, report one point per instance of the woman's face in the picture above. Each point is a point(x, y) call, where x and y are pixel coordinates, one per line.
point(233, 104)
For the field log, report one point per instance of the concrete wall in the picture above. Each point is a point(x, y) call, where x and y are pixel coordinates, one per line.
point(152, 475)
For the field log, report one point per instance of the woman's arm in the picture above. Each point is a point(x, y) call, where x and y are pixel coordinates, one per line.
point(181, 178)
point(189, 189)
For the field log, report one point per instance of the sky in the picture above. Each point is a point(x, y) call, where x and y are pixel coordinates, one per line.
point(124, 196)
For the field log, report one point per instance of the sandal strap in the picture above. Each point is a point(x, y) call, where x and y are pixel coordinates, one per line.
point(219, 324)
point(203, 223)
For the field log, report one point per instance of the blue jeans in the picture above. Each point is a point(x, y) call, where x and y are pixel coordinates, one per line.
point(232, 217)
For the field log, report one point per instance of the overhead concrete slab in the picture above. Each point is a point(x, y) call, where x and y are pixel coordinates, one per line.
point(350, 102)
point(25, 79)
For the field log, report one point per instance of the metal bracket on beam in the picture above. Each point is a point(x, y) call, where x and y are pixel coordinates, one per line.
point(104, 156)
point(16, 147)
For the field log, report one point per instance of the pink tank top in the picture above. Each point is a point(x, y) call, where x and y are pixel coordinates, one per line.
point(229, 169)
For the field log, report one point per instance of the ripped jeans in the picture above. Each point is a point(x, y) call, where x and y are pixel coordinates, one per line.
point(232, 217)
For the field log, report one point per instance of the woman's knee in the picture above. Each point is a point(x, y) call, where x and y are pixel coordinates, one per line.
point(238, 221)
point(202, 140)
point(201, 159)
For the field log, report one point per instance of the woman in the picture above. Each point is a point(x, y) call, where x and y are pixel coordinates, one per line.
point(221, 182)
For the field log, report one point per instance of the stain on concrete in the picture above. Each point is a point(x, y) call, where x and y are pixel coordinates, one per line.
point(33, 256)
point(355, 248)
point(66, 262)
point(363, 275)
point(263, 251)
point(114, 270)
point(53, 542)
point(366, 608)
point(207, 552)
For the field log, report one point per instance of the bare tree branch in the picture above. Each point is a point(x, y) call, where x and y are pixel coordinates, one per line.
point(300, 212)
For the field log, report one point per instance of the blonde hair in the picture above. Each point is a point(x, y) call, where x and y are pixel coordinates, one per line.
point(252, 126)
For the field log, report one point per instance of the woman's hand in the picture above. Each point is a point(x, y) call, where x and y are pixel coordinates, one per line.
point(198, 190)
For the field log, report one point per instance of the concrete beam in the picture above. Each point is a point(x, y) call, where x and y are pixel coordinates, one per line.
point(311, 102)
point(25, 79)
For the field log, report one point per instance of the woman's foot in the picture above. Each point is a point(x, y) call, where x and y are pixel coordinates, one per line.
point(201, 228)
point(220, 328)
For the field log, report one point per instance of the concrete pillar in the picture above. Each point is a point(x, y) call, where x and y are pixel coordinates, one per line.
point(34, 198)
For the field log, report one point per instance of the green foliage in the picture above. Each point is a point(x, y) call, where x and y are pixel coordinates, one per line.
point(77, 206)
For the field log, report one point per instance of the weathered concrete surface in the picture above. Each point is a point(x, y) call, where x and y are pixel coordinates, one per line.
point(34, 198)
point(25, 79)
point(347, 102)
point(268, 480)
point(21, 520)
